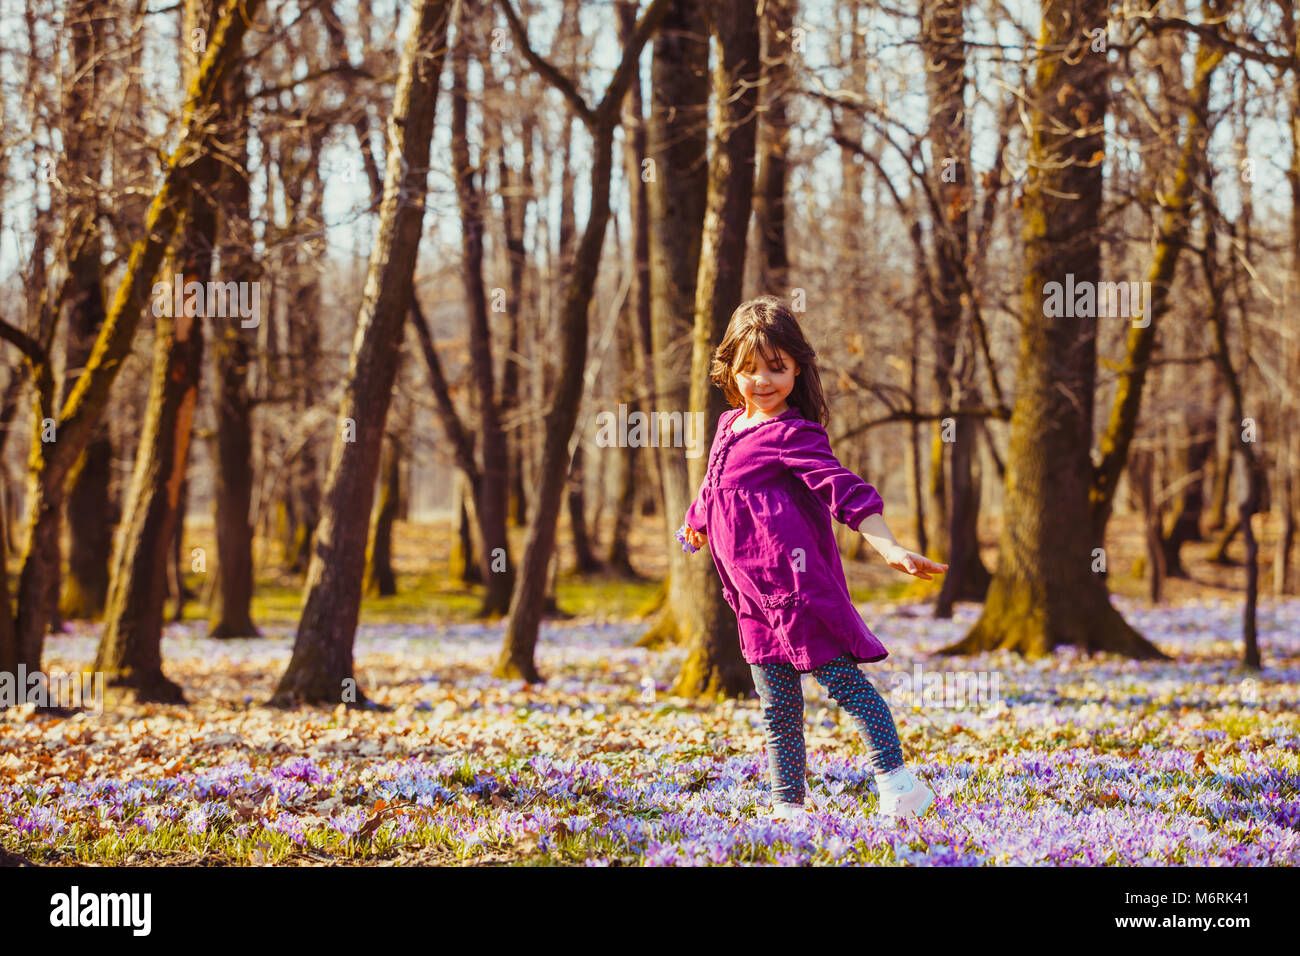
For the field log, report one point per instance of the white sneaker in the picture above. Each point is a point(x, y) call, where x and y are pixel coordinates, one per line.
point(789, 811)
point(911, 799)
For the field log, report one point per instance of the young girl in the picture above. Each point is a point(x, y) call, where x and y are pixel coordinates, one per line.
point(765, 504)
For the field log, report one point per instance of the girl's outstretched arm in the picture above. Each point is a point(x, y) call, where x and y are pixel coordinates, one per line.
point(896, 556)
point(809, 457)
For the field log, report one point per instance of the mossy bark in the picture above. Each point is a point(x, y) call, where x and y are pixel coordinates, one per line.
point(90, 512)
point(1172, 237)
point(50, 462)
point(1045, 592)
point(130, 649)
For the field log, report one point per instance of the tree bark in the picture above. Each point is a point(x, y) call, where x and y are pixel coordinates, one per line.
point(1045, 592)
point(1248, 503)
point(1191, 443)
point(516, 197)
point(90, 511)
point(51, 461)
point(492, 501)
point(321, 668)
point(774, 142)
point(130, 647)
point(517, 655)
point(584, 558)
point(1172, 238)
point(714, 664)
point(676, 197)
point(380, 580)
point(943, 44)
point(954, 507)
point(231, 610)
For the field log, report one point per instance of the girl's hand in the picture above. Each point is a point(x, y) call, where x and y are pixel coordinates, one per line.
point(909, 562)
point(690, 538)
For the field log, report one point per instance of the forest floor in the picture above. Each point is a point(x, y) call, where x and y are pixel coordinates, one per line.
point(1066, 760)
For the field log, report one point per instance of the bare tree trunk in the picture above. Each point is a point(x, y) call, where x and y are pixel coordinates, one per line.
point(380, 580)
point(1248, 503)
point(1191, 443)
point(585, 560)
point(1288, 458)
point(1045, 592)
point(915, 455)
point(466, 564)
point(1223, 458)
point(231, 608)
point(176, 589)
point(90, 511)
point(774, 141)
point(625, 457)
point(320, 670)
point(8, 640)
point(1173, 228)
point(75, 423)
point(517, 655)
point(492, 501)
point(130, 648)
point(1142, 470)
point(972, 583)
point(714, 664)
point(943, 43)
point(516, 198)
point(639, 467)
point(676, 197)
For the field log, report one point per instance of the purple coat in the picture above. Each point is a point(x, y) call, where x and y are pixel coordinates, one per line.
point(766, 504)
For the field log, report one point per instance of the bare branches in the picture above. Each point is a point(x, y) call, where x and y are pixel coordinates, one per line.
point(605, 111)
point(548, 72)
point(24, 342)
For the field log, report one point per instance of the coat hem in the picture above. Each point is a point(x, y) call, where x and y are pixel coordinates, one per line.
point(854, 658)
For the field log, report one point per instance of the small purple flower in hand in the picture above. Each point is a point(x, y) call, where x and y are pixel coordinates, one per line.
point(684, 535)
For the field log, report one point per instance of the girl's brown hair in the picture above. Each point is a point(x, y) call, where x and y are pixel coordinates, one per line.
point(767, 324)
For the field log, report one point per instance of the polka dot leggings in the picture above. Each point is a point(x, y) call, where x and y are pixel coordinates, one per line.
point(780, 689)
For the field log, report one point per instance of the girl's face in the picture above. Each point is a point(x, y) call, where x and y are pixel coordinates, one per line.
point(765, 386)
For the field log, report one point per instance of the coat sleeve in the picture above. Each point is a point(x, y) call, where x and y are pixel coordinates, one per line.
point(695, 513)
point(809, 457)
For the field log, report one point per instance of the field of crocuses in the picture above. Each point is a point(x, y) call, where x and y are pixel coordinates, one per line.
point(1064, 761)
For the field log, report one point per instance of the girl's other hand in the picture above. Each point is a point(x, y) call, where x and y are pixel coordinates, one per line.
point(690, 537)
point(909, 562)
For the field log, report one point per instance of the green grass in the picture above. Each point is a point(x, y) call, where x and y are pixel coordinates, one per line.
point(430, 597)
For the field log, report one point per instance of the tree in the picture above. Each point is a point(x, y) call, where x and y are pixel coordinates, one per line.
point(516, 658)
point(1045, 592)
point(90, 509)
point(677, 193)
point(774, 142)
point(492, 493)
point(321, 664)
point(75, 421)
point(231, 610)
point(954, 503)
point(130, 646)
point(1171, 238)
point(714, 664)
